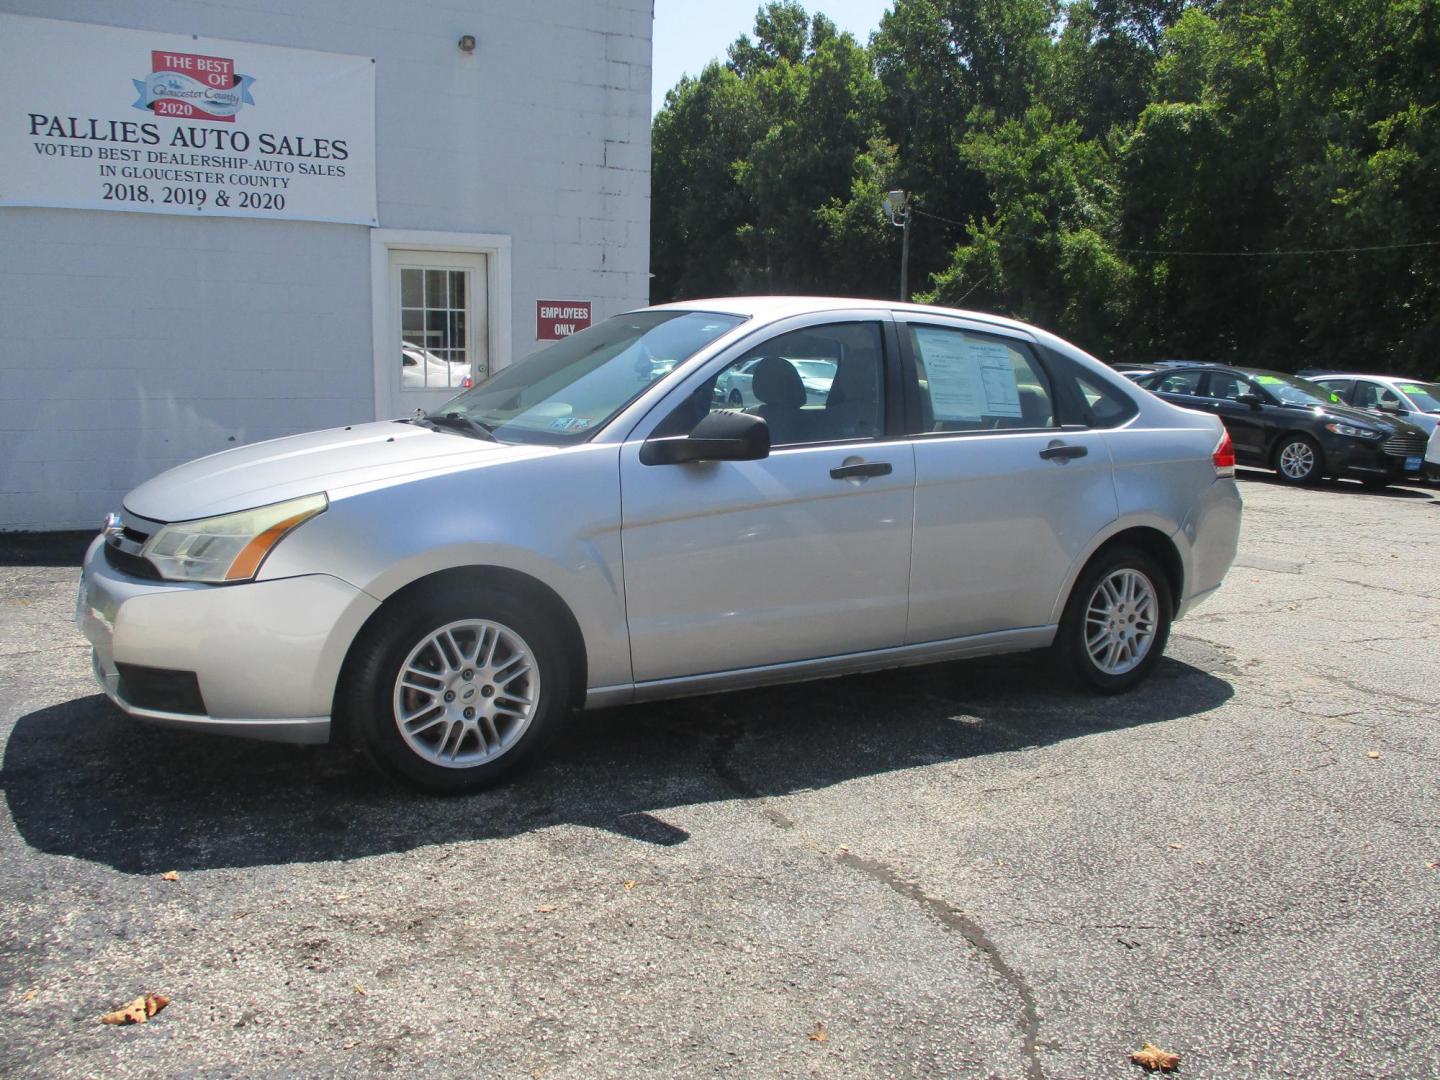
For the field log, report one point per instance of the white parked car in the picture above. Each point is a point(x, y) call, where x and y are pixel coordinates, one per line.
point(591, 527)
point(421, 369)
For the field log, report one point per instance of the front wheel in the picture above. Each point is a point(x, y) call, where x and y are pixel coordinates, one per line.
point(1117, 621)
point(454, 691)
point(1298, 460)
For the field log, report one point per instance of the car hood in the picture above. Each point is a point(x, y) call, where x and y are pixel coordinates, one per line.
point(268, 472)
point(1363, 417)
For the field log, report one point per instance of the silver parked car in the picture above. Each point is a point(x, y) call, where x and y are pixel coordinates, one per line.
point(591, 527)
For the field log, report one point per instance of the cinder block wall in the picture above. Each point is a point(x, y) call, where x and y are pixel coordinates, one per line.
point(133, 342)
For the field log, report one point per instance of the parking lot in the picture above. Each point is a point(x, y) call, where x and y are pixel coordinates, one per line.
point(965, 870)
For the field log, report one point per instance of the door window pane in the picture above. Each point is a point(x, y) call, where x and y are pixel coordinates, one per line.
point(974, 382)
point(1178, 382)
point(821, 384)
point(1228, 387)
point(435, 353)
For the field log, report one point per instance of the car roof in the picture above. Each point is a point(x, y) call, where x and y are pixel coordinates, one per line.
point(774, 308)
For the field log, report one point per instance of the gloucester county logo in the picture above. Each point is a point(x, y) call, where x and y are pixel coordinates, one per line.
point(192, 87)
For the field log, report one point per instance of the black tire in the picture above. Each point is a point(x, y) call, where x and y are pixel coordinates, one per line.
point(366, 700)
point(1070, 640)
point(1302, 447)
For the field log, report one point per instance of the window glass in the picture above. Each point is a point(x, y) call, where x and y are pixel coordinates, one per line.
point(1177, 382)
point(1227, 387)
point(434, 352)
point(1426, 396)
point(564, 393)
point(1371, 395)
point(1106, 407)
point(1335, 386)
point(821, 384)
point(974, 382)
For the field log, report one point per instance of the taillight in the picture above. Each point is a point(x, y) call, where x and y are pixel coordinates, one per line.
point(1224, 456)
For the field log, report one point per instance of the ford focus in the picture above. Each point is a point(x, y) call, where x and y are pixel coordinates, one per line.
point(595, 525)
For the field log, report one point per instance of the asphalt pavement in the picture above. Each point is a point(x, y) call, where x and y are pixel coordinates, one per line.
point(968, 870)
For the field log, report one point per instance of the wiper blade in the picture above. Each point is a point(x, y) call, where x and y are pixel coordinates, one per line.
point(459, 422)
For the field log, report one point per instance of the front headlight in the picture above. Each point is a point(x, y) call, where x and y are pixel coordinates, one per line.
point(230, 547)
point(1353, 432)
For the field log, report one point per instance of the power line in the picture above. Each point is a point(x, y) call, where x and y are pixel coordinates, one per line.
point(1275, 253)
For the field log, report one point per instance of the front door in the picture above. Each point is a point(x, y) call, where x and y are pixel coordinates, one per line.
point(1250, 426)
point(801, 555)
point(437, 329)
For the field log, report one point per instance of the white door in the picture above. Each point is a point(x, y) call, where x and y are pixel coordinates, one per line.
point(438, 334)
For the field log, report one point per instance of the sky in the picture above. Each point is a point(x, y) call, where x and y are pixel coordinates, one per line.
point(691, 33)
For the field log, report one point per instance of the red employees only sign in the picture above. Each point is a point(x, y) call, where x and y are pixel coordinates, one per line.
point(556, 319)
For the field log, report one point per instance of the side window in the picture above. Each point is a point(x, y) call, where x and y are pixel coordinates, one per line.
point(1105, 407)
point(1227, 387)
point(1367, 395)
point(1339, 387)
point(1179, 382)
point(820, 384)
point(974, 382)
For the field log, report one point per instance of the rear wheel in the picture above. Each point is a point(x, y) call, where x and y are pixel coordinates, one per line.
point(1117, 620)
point(1298, 460)
point(454, 691)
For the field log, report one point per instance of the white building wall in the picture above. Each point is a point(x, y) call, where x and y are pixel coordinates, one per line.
point(133, 342)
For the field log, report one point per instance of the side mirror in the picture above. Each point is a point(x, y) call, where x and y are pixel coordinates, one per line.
point(720, 436)
point(1253, 400)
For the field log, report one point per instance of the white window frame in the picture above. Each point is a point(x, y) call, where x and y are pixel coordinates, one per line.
point(384, 322)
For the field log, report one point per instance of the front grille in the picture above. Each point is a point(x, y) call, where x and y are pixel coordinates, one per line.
point(161, 689)
point(1404, 445)
point(122, 552)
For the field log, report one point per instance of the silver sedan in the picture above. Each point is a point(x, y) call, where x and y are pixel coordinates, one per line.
point(591, 527)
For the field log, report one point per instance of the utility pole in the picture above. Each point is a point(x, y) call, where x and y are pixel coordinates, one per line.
point(898, 205)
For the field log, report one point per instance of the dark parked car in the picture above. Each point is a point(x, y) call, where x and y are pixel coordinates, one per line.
point(1300, 430)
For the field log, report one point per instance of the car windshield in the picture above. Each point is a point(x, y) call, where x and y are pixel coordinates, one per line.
point(565, 393)
point(1426, 396)
point(1293, 391)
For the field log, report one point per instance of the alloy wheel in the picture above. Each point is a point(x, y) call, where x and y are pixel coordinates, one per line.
point(1120, 621)
point(466, 693)
point(1297, 460)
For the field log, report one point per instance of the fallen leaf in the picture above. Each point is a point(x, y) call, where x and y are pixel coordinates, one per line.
point(1372, 754)
point(630, 885)
point(360, 989)
point(30, 994)
point(1150, 1057)
point(818, 1035)
point(341, 897)
point(171, 875)
point(545, 909)
point(1428, 866)
point(1176, 847)
point(138, 1011)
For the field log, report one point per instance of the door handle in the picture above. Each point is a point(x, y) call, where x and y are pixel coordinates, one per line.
point(864, 468)
point(1058, 451)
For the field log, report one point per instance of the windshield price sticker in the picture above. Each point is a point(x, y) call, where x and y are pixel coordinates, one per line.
point(105, 118)
point(968, 378)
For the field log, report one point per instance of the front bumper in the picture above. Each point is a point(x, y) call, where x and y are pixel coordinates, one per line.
point(1362, 459)
point(265, 654)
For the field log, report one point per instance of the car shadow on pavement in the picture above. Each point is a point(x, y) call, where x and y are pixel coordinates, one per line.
point(82, 780)
point(1413, 489)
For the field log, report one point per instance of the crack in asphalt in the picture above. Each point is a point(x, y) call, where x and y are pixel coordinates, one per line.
point(952, 918)
point(949, 916)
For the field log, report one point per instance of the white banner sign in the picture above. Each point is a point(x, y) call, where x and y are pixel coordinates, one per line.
point(98, 118)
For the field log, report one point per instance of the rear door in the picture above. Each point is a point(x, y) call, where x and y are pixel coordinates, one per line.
point(1007, 496)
